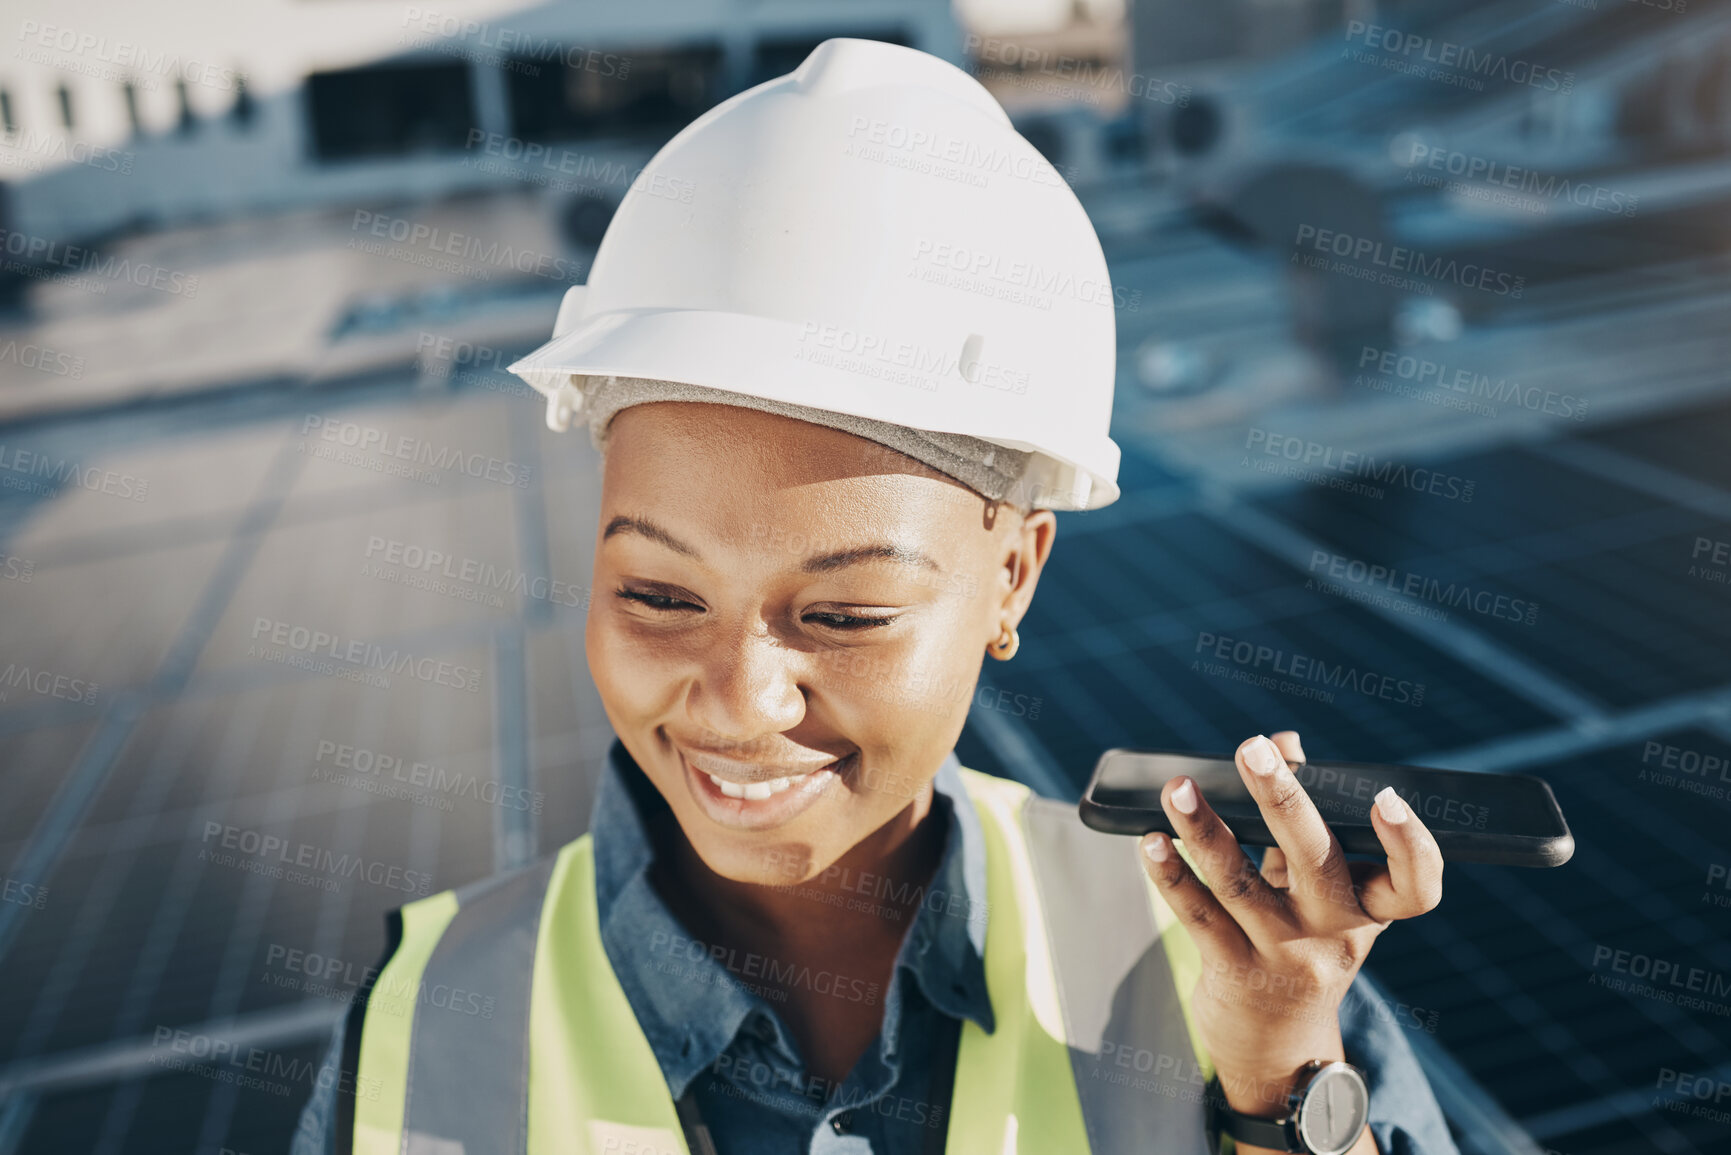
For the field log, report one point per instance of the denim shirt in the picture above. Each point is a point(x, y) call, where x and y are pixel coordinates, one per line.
point(714, 1030)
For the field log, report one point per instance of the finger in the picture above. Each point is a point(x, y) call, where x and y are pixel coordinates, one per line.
point(1274, 858)
point(1319, 887)
point(1274, 866)
point(1286, 741)
point(1412, 882)
point(1194, 904)
point(1225, 867)
point(1364, 874)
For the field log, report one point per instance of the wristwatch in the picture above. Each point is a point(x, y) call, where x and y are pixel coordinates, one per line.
point(1325, 1113)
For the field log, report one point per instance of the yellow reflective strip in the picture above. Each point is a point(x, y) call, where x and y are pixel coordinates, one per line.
point(1015, 1089)
point(1042, 983)
point(390, 1018)
point(594, 1082)
point(982, 1096)
point(1184, 959)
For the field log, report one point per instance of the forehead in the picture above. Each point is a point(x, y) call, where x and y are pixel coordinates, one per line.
point(739, 476)
point(784, 449)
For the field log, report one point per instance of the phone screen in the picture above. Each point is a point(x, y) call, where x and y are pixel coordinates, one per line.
point(1449, 801)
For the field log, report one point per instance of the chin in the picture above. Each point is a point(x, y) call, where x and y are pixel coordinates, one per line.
point(771, 862)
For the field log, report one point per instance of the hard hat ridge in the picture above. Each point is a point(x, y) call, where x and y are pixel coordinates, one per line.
point(844, 64)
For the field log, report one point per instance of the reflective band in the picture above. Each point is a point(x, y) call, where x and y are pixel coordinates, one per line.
point(354, 1019)
point(1130, 1050)
point(1014, 1087)
point(385, 1038)
point(471, 1016)
point(594, 1085)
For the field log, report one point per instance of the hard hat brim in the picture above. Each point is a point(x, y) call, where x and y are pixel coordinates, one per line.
point(802, 364)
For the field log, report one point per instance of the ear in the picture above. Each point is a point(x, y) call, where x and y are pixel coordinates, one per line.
point(1028, 545)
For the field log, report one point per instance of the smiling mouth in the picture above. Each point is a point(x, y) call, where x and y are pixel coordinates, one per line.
point(760, 788)
point(756, 791)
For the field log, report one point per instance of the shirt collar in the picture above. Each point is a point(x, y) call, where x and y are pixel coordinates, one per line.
point(688, 1010)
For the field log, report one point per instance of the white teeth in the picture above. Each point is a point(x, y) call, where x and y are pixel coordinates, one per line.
point(755, 791)
point(731, 789)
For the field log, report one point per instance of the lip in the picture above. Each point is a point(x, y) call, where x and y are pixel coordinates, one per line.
point(745, 773)
point(762, 813)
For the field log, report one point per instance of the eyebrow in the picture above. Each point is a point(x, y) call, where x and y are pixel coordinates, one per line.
point(824, 563)
point(864, 553)
point(643, 527)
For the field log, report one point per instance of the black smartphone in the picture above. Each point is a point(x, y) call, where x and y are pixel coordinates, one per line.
point(1503, 819)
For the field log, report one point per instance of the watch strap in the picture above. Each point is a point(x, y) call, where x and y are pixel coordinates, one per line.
point(1275, 1134)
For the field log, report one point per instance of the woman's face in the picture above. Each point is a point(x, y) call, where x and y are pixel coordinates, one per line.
point(788, 624)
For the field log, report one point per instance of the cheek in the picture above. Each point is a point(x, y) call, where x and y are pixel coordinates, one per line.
point(905, 710)
point(924, 685)
point(633, 680)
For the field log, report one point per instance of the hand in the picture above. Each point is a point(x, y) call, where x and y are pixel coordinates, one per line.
point(1280, 947)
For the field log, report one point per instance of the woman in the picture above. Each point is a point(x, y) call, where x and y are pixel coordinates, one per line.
point(797, 923)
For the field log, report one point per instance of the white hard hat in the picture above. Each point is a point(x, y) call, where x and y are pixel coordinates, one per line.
point(867, 235)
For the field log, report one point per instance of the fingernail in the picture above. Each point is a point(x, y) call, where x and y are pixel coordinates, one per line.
point(1184, 797)
point(1157, 847)
point(1263, 757)
point(1392, 807)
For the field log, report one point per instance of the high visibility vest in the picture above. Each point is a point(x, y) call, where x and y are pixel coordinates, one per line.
point(1088, 972)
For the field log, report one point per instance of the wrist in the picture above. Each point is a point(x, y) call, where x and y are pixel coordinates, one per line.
point(1262, 1087)
point(1258, 1057)
point(1264, 1096)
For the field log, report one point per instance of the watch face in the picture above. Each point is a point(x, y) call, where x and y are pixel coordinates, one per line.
point(1336, 1105)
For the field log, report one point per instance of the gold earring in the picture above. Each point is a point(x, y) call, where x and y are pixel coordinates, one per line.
point(1009, 641)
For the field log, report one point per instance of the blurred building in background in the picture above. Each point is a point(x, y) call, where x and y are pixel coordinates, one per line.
point(327, 104)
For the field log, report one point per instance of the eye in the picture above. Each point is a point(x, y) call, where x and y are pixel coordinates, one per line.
point(848, 621)
point(655, 601)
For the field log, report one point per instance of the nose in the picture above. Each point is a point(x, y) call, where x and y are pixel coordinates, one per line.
point(748, 689)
